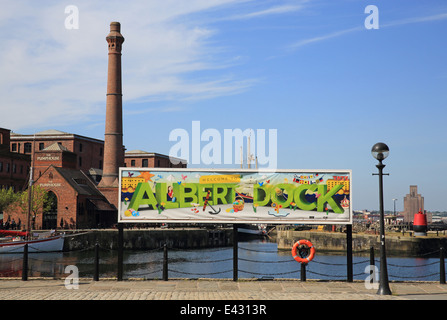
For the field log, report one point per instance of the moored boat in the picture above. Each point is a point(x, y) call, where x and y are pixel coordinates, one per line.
point(44, 243)
point(252, 230)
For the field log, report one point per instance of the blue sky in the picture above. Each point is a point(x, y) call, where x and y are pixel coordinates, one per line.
point(309, 69)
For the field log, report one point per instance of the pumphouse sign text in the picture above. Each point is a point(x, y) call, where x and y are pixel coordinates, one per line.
point(235, 196)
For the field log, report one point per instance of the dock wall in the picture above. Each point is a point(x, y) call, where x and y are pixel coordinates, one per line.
point(336, 242)
point(135, 239)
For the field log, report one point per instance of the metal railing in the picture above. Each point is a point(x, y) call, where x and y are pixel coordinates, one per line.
point(164, 265)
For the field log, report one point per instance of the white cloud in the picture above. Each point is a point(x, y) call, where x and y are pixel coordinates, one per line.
point(52, 75)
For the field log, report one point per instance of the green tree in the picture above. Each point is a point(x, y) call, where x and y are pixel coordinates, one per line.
point(7, 198)
point(41, 202)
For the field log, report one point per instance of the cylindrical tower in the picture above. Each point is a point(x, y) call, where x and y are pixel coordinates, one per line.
point(113, 138)
point(420, 224)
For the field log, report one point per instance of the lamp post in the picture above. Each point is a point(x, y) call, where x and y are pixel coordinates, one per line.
point(380, 151)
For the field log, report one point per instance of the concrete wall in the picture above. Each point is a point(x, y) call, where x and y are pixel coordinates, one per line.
point(336, 242)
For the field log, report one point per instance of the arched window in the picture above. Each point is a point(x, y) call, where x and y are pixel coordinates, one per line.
point(50, 213)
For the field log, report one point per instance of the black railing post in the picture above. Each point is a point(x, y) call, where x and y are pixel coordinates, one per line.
point(120, 251)
point(371, 265)
point(235, 253)
point(96, 274)
point(165, 262)
point(25, 263)
point(303, 271)
point(441, 266)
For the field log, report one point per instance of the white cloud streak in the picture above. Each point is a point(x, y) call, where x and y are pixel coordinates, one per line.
point(305, 42)
point(336, 34)
point(431, 18)
point(266, 12)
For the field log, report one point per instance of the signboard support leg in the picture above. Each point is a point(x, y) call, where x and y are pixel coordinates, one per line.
point(349, 252)
point(120, 251)
point(235, 253)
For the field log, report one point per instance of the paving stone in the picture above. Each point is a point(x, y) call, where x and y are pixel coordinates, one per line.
point(214, 290)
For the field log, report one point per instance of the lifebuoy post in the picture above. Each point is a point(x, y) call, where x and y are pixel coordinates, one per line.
point(303, 271)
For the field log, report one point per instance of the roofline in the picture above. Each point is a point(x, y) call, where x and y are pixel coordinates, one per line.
point(70, 181)
point(151, 154)
point(18, 136)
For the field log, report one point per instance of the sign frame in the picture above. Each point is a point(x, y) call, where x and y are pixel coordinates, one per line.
point(188, 215)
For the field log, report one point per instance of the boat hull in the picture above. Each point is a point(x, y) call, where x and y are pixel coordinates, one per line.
point(41, 245)
point(251, 231)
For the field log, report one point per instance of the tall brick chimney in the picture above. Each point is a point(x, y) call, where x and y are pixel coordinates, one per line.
point(113, 138)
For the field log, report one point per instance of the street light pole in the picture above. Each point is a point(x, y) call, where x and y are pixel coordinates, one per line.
point(380, 152)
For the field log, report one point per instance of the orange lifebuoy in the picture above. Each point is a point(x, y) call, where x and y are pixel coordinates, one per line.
point(296, 255)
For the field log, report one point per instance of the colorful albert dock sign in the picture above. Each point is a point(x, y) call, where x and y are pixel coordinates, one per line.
point(156, 195)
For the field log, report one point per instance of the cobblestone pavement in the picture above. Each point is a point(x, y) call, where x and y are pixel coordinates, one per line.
point(44, 289)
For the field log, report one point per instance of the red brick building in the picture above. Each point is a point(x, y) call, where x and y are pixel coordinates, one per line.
point(69, 167)
point(14, 167)
point(89, 152)
point(77, 201)
point(79, 204)
point(143, 159)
